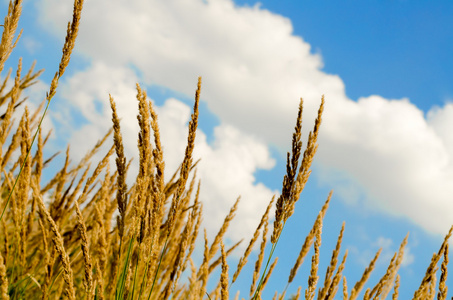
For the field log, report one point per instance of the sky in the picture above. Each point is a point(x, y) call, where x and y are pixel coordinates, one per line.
point(385, 148)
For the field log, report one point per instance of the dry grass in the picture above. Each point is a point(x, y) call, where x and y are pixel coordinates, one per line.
point(67, 247)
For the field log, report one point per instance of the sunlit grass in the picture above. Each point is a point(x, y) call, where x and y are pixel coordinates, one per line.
point(67, 247)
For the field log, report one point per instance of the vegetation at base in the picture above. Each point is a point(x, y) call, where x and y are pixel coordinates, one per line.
point(85, 234)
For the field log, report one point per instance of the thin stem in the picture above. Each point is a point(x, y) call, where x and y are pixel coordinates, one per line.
point(158, 266)
point(271, 253)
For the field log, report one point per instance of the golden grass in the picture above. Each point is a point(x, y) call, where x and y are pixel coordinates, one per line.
point(3, 279)
point(70, 246)
point(9, 29)
point(224, 275)
point(248, 250)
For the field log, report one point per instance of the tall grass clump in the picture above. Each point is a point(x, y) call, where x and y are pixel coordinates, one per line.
point(86, 234)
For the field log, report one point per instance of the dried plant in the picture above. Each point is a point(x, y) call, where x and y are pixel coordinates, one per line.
point(84, 234)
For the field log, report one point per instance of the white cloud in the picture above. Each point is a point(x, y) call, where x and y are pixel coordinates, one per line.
point(31, 44)
point(389, 149)
point(254, 71)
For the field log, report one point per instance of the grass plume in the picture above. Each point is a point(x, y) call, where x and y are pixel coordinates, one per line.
point(87, 235)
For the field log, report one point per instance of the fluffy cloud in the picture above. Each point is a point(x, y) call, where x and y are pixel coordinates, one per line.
point(254, 71)
point(395, 158)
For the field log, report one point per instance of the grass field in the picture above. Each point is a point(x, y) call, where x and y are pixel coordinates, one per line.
point(86, 234)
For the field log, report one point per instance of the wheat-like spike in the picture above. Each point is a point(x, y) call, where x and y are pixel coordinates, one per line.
point(304, 169)
point(38, 161)
point(177, 249)
point(430, 271)
point(88, 282)
point(218, 261)
point(215, 294)
point(71, 35)
point(399, 259)
point(101, 165)
point(442, 295)
point(10, 109)
point(172, 184)
point(5, 240)
point(366, 274)
point(59, 293)
point(423, 289)
point(309, 240)
point(144, 134)
point(180, 250)
point(327, 288)
point(158, 185)
point(198, 213)
point(395, 287)
point(248, 250)
point(431, 292)
point(203, 271)
point(9, 28)
point(367, 294)
point(184, 207)
point(377, 289)
point(275, 296)
point(86, 158)
point(3, 86)
point(113, 270)
point(299, 289)
point(226, 222)
point(3, 279)
point(65, 193)
point(59, 180)
point(236, 297)
point(6, 126)
point(304, 250)
point(24, 185)
point(345, 288)
point(336, 279)
point(38, 158)
point(187, 162)
point(145, 156)
point(48, 259)
point(292, 162)
point(47, 138)
point(193, 282)
point(16, 201)
point(99, 281)
point(224, 275)
point(8, 183)
point(215, 244)
point(14, 143)
point(34, 124)
point(313, 278)
point(59, 245)
point(259, 261)
point(177, 293)
point(121, 196)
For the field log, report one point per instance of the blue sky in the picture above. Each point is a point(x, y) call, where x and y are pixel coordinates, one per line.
point(385, 148)
point(392, 48)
